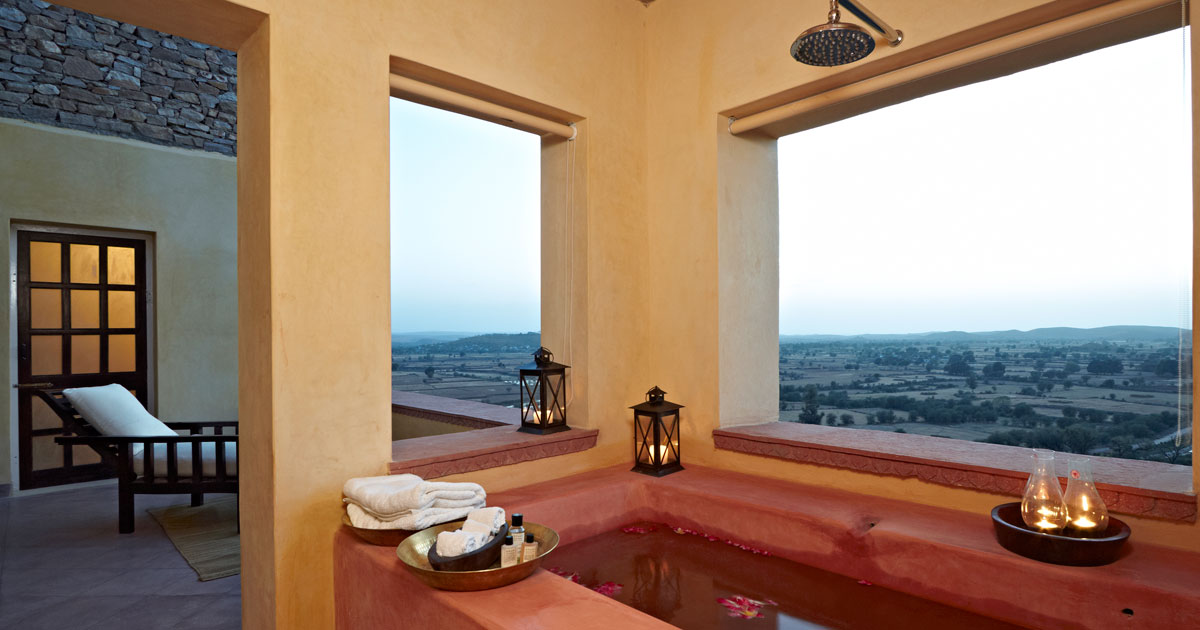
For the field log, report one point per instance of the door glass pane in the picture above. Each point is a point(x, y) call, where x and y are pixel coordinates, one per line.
point(46, 454)
point(120, 265)
point(45, 308)
point(45, 262)
point(43, 417)
point(120, 309)
point(45, 354)
point(85, 354)
point(85, 263)
point(122, 353)
point(85, 309)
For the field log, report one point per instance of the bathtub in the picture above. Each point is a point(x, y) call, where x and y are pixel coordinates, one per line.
point(945, 556)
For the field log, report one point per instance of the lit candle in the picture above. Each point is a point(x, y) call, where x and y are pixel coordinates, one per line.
point(1084, 522)
point(1045, 524)
point(661, 455)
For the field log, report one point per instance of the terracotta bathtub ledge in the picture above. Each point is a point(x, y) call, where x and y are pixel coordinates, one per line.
point(441, 455)
point(1140, 488)
point(943, 555)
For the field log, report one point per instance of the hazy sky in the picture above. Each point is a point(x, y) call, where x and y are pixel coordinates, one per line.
point(1059, 196)
point(465, 223)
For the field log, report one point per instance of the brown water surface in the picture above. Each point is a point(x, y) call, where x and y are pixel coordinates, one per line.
point(695, 583)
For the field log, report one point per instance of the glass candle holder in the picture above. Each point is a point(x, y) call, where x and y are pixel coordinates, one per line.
point(1087, 516)
point(1042, 506)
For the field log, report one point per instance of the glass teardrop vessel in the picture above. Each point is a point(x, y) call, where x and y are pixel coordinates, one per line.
point(1087, 516)
point(1042, 506)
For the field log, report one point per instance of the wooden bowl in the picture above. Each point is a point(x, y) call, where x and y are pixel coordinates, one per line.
point(1013, 535)
point(414, 552)
point(381, 537)
point(481, 558)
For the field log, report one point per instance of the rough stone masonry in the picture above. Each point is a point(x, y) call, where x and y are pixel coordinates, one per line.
point(72, 69)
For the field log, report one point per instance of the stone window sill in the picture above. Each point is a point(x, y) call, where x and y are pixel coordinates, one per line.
point(1147, 489)
point(466, 413)
point(469, 451)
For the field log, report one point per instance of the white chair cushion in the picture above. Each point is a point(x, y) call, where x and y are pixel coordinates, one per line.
point(113, 410)
point(183, 454)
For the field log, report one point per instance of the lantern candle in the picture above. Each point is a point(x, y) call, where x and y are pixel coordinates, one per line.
point(656, 435)
point(1086, 512)
point(543, 386)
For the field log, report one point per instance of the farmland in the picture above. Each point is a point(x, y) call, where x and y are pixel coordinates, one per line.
point(1109, 394)
point(1106, 392)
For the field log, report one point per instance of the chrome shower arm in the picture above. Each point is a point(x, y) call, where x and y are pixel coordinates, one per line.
point(893, 36)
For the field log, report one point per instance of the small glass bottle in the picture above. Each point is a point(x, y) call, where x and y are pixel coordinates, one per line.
point(510, 553)
point(1042, 506)
point(1087, 516)
point(529, 550)
point(517, 529)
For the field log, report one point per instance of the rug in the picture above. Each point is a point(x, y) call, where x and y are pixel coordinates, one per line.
point(206, 536)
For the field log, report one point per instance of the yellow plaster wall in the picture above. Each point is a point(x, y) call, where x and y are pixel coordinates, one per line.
point(706, 194)
point(187, 199)
point(659, 232)
point(313, 226)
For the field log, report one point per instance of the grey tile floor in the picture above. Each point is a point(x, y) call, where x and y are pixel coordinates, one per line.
point(63, 565)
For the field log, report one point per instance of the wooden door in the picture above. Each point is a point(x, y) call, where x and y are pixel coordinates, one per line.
point(81, 321)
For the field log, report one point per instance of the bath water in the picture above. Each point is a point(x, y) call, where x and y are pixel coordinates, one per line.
point(694, 581)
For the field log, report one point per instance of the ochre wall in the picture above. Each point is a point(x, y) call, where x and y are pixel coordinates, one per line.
point(658, 233)
point(187, 199)
point(702, 185)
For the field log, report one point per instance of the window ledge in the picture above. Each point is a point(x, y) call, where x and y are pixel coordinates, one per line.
point(466, 413)
point(441, 455)
point(1140, 488)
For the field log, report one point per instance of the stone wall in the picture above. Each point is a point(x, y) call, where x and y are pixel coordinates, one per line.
point(72, 69)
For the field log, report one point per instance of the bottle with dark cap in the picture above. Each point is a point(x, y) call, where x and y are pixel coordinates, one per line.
point(517, 529)
point(529, 550)
point(510, 553)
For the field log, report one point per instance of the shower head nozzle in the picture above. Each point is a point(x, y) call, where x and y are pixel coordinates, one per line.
point(832, 44)
point(835, 42)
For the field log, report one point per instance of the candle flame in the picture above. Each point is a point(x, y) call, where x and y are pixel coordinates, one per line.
point(1046, 524)
point(1084, 522)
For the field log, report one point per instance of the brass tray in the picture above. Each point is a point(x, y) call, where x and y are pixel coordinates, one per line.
point(381, 537)
point(414, 550)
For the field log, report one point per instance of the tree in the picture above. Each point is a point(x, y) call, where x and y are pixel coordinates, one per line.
point(1070, 367)
point(429, 371)
point(993, 370)
point(972, 382)
point(847, 419)
point(808, 412)
point(1079, 438)
point(1045, 387)
point(957, 366)
point(1104, 364)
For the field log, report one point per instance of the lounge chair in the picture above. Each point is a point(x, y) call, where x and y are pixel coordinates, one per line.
point(112, 422)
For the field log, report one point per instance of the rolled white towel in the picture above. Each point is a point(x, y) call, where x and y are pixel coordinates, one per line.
point(451, 544)
point(412, 521)
point(388, 497)
point(475, 527)
point(493, 517)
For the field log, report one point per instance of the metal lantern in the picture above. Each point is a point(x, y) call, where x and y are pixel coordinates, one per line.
point(543, 395)
point(656, 435)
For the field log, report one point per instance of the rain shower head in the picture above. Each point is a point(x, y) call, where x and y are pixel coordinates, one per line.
point(835, 42)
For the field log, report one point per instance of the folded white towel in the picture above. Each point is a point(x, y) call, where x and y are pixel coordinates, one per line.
point(391, 496)
point(493, 517)
point(475, 527)
point(411, 521)
point(451, 544)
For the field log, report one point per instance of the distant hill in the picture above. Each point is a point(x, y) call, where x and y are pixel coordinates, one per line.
point(493, 342)
point(1062, 333)
point(425, 338)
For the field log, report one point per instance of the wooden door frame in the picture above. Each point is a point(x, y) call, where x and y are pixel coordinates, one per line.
point(14, 347)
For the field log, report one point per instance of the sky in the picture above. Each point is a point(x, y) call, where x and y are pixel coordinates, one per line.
point(1058, 196)
point(466, 223)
